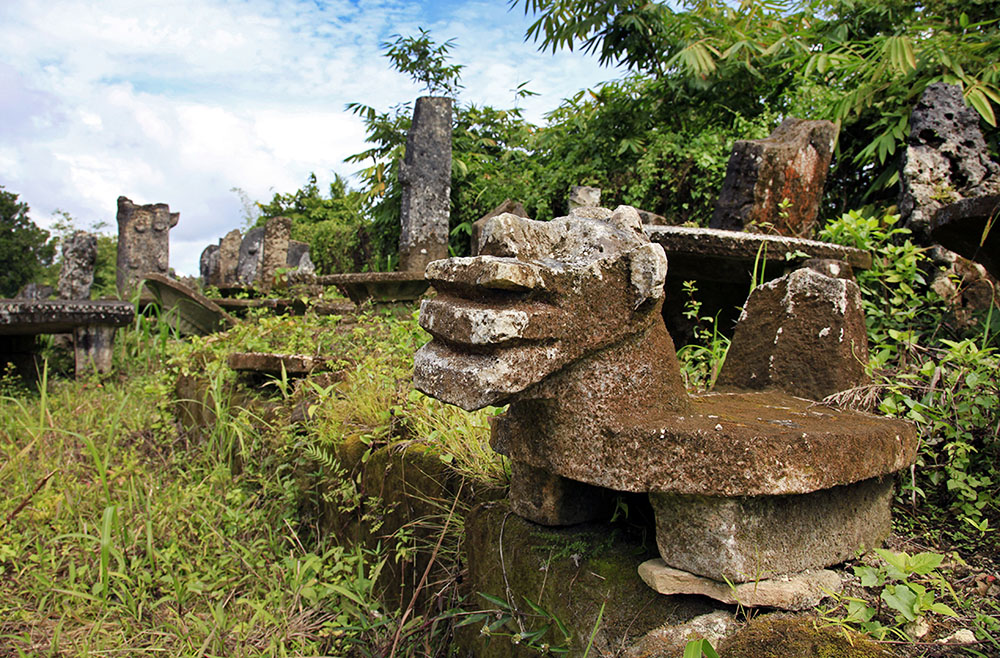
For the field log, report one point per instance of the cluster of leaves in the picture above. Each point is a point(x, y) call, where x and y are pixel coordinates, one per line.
point(25, 249)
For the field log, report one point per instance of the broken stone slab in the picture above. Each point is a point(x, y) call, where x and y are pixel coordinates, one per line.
point(378, 287)
point(799, 591)
point(188, 311)
point(251, 251)
point(295, 306)
point(581, 196)
point(513, 207)
point(143, 242)
point(968, 227)
point(294, 365)
point(946, 159)
point(803, 333)
point(788, 167)
point(76, 274)
point(425, 176)
point(749, 538)
point(275, 251)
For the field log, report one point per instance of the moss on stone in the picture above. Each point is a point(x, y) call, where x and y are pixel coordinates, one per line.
point(797, 636)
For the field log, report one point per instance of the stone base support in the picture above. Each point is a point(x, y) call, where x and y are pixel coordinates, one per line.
point(752, 538)
point(552, 500)
point(93, 346)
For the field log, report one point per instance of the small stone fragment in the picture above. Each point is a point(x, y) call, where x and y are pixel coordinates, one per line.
point(583, 196)
point(669, 641)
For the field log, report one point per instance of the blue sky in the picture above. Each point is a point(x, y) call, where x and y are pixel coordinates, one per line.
point(181, 101)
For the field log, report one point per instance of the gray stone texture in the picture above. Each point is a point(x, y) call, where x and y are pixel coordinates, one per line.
point(747, 538)
point(803, 333)
point(507, 206)
point(670, 640)
point(790, 164)
point(34, 291)
point(581, 196)
point(251, 251)
point(93, 347)
point(208, 265)
point(298, 257)
point(229, 258)
point(946, 158)
point(143, 242)
point(425, 175)
point(76, 275)
point(275, 251)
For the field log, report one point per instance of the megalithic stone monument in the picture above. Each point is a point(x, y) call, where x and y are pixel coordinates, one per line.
point(79, 255)
point(143, 242)
point(425, 175)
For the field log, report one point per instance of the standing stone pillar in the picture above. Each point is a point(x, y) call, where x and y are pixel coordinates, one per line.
point(229, 256)
point(425, 175)
point(276, 234)
point(143, 242)
point(76, 276)
point(249, 259)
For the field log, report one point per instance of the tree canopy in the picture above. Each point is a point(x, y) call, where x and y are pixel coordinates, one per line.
point(25, 249)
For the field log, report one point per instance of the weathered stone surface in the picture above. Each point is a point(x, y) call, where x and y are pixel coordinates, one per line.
point(946, 158)
point(749, 538)
point(583, 196)
point(34, 291)
point(251, 252)
point(294, 365)
point(803, 333)
point(785, 635)
point(799, 591)
point(76, 276)
point(652, 218)
point(548, 499)
point(186, 309)
point(143, 242)
point(229, 258)
point(582, 286)
point(968, 228)
point(790, 166)
point(508, 206)
point(208, 265)
point(830, 267)
point(93, 347)
point(26, 318)
point(298, 257)
point(288, 306)
point(275, 249)
point(380, 287)
point(967, 287)
point(511, 558)
point(669, 640)
point(425, 175)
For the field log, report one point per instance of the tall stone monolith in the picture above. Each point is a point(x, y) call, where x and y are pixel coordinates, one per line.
point(425, 175)
point(143, 242)
point(276, 235)
point(79, 255)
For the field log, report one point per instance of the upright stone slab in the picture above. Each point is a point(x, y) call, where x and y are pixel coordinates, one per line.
point(803, 333)
point(143, 242)
point(229, 257)
point(251, 251)
point(298, 257)
point(582, 196)
point(425, 175)
point(275, 249)
point(788, 167)
point(946, 158)
point(76, 276)
point(208, 265)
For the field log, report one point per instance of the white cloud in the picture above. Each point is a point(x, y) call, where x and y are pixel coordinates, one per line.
point(180, 104)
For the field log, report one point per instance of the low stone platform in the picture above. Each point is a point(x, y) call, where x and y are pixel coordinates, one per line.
point(361, 287)
point(294, 365)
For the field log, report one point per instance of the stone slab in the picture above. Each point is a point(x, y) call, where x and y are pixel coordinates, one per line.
point(378, 286)
point(799, 591)
point(289, 306)
point(190, 312)
point(295, 365)
point(31, 317)
point(748, 538)
point(727, 444)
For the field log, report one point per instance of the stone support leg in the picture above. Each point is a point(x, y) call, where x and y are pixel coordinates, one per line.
point(93, 346)
point(550, 499)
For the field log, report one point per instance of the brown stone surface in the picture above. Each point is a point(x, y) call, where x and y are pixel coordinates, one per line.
point(186, 309)
point(547, 499)
point(669, 640)
point(76, 274)
point(289, 306)
point(790, 164)
point(967, 287)
point(747, 538)
point(425, 176)
point(799, 591)
point(803, 333)
point(143, 242)
point(229, 257)
point(733, 444)
point(800, 636)
point(275, 251)
point(968, 227)
point(26, 318)
point(946, 159)
point(508, 206)
point(294, 365)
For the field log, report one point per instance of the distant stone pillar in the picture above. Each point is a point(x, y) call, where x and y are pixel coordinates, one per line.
point(208, 265)
point(76, 276)
point(788, 167)
point(250, 255)
point(276, 234)
point(229, 258)
point(143, 242)
point(581, 196)
point(425, 175)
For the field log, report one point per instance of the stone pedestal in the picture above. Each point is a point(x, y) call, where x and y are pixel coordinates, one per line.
point(425, 175)
point(143, 243)
point(76, 276)
point(93, 347)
